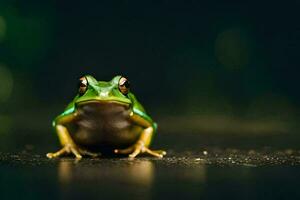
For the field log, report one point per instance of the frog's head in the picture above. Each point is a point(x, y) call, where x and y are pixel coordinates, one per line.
point(91, 90)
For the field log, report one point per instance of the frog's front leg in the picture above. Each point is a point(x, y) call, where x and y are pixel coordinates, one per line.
point(66, 141)
point(142, 145)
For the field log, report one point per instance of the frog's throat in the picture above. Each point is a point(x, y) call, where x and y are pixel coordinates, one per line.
point(86, 102)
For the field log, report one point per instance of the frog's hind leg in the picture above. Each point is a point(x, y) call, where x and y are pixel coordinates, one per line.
point(142, 146)
point(68, 145)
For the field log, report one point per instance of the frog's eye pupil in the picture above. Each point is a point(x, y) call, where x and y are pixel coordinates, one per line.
point(127, 84)
point(124, 85)
point(82, 85)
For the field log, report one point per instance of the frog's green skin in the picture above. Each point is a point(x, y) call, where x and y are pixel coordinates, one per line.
point(104, 118)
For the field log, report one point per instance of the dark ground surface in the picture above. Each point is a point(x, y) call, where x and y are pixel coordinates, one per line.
point(226, 168)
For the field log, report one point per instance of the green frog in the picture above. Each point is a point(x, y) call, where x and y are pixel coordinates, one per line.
point(105, 115)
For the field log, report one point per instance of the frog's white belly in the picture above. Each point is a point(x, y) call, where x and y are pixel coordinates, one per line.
point(104, 124)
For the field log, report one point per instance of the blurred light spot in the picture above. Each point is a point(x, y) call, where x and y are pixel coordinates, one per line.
point(6, 85)
point(232, 48)
point(2, 28)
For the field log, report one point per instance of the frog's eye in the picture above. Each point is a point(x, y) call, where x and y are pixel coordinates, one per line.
point(124, 85)
point(82, 85)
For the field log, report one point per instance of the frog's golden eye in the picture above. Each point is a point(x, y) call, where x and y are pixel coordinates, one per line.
point(82, 85)
point(124, 85)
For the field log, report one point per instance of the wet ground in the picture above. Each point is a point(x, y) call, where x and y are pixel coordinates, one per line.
point(197, 166)
point(213, 173)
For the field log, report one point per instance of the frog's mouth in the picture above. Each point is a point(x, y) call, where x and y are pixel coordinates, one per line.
point(94, 109)
point(102, 102)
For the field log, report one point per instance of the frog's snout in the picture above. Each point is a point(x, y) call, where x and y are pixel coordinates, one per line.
point(104, 94)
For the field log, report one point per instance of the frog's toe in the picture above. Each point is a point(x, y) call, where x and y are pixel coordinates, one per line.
point(161, 152)
point(124, 151)
point(50, 155)
point(156, 153)
point(75, 151)
point(64, 150)
point(139, 148)
point(88, 153)
point(145, 150)
point(58, 153)
point(136, 152)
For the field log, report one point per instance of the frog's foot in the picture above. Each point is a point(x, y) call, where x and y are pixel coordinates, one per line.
point(67, 149)
point(140, 148)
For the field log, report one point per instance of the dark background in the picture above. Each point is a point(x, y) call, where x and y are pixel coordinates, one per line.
point(211, 74)
point(211, 67)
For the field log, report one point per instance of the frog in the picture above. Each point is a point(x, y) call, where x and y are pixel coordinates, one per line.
point(104, 115)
